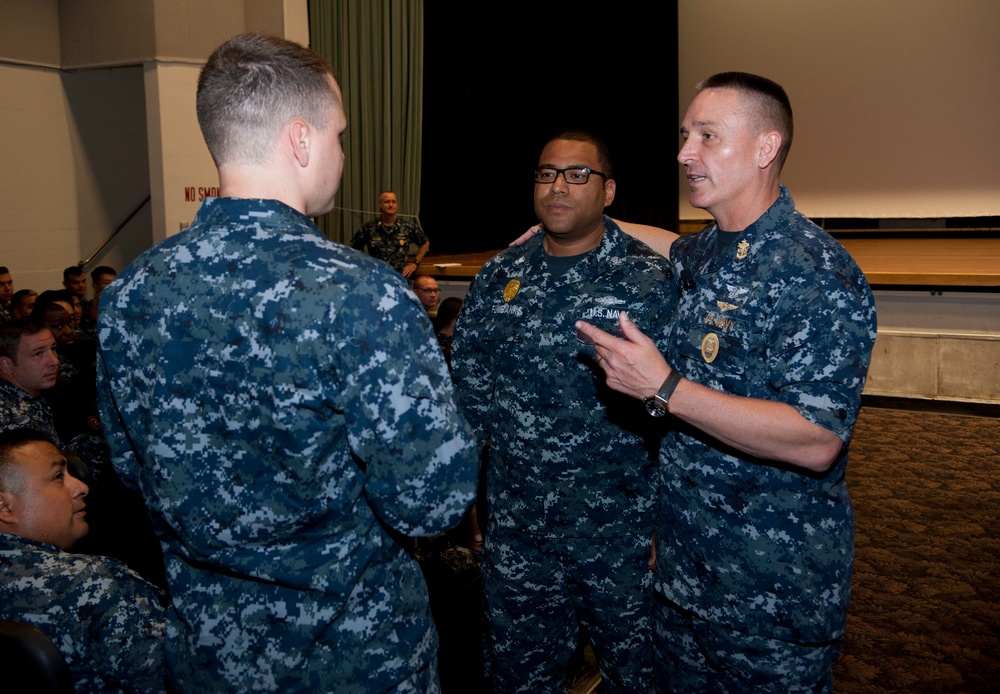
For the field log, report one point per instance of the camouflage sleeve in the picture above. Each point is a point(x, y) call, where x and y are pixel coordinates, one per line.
point(662, 302)
point(403, 424)
point(471, 370)
point(122, 456)
point(128, 629)
point(820, 349)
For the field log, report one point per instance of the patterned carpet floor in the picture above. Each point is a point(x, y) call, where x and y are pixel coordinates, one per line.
point(925, 600)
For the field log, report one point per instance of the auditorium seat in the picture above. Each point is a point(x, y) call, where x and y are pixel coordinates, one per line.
point(31, 663)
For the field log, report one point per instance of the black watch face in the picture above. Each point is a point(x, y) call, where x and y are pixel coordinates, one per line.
point(655, 407)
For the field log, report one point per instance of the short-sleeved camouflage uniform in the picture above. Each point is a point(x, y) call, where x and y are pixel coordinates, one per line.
point(782, 314)
point(391, 244)
point(278, 397)
point(106, 621)
point(571, 471)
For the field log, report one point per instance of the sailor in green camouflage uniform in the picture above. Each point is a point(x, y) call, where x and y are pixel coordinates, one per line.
point(389, 238)
point(769, 349)
point(279, 398)
point(570, 477)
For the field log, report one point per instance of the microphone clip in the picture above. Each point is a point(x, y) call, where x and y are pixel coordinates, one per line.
point(687, 280)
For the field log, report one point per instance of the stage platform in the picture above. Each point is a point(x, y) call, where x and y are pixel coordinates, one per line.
point(892, 261)
point(927, 262)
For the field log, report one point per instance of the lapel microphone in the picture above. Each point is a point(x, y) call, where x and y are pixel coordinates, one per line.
point(687, 280)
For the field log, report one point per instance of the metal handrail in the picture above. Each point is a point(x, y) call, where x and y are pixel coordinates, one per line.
point(85, 262)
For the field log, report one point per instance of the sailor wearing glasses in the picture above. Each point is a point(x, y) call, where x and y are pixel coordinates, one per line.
point(571, 487)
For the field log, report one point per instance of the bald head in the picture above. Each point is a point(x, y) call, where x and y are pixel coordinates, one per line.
point(427, 290)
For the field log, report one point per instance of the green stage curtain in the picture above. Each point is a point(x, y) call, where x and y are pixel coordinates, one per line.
point(377, 48)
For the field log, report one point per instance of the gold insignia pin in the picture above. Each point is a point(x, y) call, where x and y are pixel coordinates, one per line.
point(742, 248)
point(725, 305)
point(710, 347)
point(510, 291)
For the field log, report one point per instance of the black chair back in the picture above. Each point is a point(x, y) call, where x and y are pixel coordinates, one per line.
point(31, 663)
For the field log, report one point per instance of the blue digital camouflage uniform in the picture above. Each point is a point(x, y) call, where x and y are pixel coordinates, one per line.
point(783, 314)
point(21, 410)
point(391, 244)
point(106, 621)
point(111, 532)
point(571, 471)
point(88, 326)
point(277, 397)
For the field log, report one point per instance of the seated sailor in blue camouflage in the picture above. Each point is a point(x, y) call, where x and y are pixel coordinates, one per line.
point(29, 365)
point(76, 359)
point(29, 368)
point(766, 358)
point(571, 483)
point(106, 620)
point(279, 398)
point(388, 238)
point(427, 290)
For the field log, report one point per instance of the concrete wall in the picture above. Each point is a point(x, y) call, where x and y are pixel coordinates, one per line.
point(72, 170)
point(937, 345)
point(97, 114)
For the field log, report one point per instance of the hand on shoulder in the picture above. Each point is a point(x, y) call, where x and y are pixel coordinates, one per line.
point(656, 238)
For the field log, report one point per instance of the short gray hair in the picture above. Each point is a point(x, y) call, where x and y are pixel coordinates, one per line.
point(766, 100)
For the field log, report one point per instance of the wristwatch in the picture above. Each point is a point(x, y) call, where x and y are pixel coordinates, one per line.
point(656, 406)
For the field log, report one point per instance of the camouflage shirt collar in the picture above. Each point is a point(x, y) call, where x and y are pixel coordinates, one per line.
point(751, 239)
point(13, 543)
point(11, 393)
point(612, 245)
point(260, 212)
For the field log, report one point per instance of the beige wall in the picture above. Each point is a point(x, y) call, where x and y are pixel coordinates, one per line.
point(894, 100)
point(29, 32)
point(97, 113)
point(181, 170)
point(72, 169)
point(108, 32)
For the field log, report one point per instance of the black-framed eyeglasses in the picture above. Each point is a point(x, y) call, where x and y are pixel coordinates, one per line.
point(576, 175)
